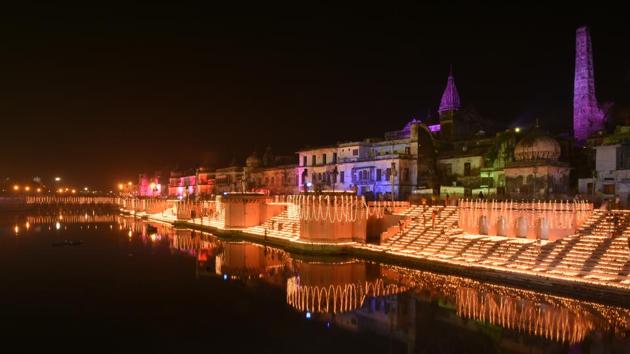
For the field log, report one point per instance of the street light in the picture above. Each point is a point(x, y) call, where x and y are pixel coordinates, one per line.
point(57, 179)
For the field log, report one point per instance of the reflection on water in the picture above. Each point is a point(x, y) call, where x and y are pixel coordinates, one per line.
point(410, 307)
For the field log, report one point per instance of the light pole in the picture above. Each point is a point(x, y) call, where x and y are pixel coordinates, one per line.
point(392, 176)
point(335, 172)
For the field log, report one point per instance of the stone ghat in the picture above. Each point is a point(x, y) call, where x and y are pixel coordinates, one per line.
point(593, 263)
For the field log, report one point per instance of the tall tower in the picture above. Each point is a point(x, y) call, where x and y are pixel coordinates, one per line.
point(449, 105)
point(587, 115)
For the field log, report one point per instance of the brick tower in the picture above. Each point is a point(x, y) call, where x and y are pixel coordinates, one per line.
point(587, 115)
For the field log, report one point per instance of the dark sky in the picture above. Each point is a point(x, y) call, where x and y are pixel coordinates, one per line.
point(98, 93)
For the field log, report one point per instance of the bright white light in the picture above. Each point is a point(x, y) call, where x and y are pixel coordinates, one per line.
point(57, 225)
point(225, 276)
point(518, 130)
point(308, 315)
point(57, 179)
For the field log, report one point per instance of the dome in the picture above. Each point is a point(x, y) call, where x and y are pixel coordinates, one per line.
point(253, 160)
point(537, 145)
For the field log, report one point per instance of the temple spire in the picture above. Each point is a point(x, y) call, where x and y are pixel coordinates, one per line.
point(450, 97)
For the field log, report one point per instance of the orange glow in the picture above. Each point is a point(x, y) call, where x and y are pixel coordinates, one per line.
point(16, 229)
point(60, 190)
point(120, 186)
point(74, 191)
point(27, 188)
point(16, 188)
point(39, 190)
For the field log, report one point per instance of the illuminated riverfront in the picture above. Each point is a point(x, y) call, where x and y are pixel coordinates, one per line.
point(387, 306)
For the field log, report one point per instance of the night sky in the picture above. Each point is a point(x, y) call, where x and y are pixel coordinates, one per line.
point(99, 93)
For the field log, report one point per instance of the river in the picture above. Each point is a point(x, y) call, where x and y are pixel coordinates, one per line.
point(95, 281)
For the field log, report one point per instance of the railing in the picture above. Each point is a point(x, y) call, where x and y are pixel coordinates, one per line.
point(82, 200)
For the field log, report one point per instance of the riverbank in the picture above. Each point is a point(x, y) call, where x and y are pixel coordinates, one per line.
point(597, 291)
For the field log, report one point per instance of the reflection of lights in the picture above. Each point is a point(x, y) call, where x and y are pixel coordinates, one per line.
point(57, 225)
point(308, 315)
point(27, 225)
point(129, 233)
point(225, 276)
point(16, 229)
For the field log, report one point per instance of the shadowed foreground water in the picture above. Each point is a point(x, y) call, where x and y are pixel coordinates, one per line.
point(132, 286)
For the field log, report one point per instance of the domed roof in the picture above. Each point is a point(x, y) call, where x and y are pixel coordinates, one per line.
point(253, 160)
point(537, 145)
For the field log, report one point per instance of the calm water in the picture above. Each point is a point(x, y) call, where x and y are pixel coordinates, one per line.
point(131, 286)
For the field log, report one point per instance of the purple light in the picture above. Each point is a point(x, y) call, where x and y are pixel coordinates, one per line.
point(450, 97)
point(587, 115)
point(434, 128)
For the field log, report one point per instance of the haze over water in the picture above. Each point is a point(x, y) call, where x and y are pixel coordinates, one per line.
point(132, 286)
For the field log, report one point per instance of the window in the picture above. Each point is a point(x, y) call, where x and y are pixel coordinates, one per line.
point(334, 178)
point(334, 157)
point(304, 160)
point(324, 159)
point(467, 169)
point(341, 177)
point(388, 174)
point(314, 160)
point(378, 174)
point(355, 152)
point(609, 189)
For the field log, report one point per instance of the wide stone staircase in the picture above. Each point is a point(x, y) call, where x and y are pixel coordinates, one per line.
point(419, 229)
point(284, 225)
point(599, 250)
